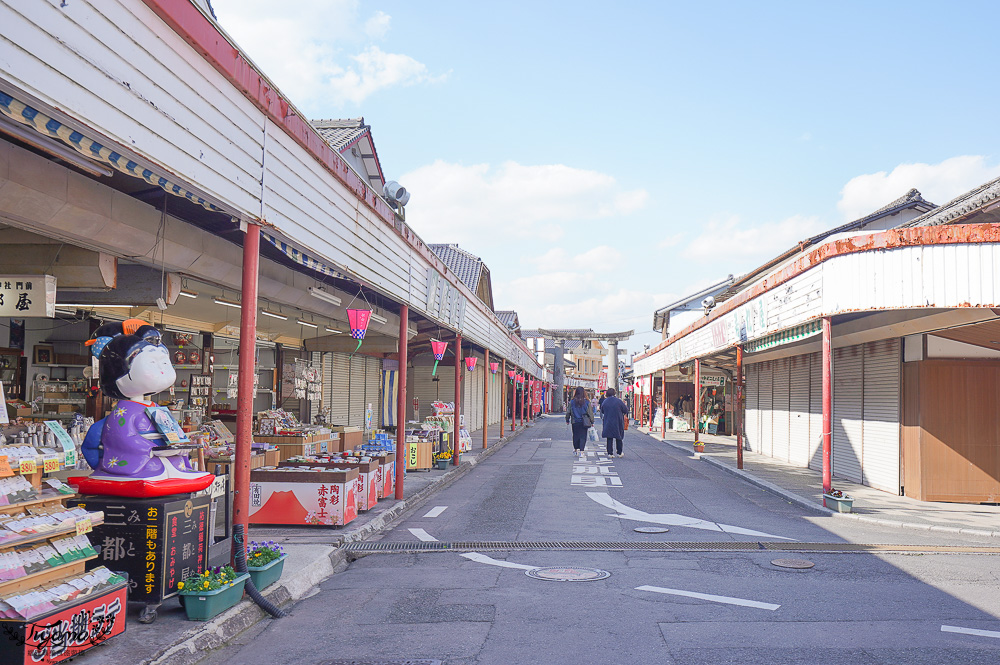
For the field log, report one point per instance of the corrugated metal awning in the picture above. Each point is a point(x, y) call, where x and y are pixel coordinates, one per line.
point(784, 337)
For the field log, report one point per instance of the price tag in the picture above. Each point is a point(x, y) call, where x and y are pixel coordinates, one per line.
point(70, 460)
point(83, 526)
point(5, 469)
point(50, 463)
point(27, 466)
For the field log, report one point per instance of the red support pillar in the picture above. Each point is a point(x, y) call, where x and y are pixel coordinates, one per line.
point(503, 396)
point(247, 362)
point(523, 400)
point(404, 352)
point(827, 405)
point(458, 399)
point(738, 407)
point(663, 403)
point(697, 398)
point(486, 396)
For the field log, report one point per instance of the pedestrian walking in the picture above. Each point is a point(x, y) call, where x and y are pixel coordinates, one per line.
point(613, 415)
point(581, 417)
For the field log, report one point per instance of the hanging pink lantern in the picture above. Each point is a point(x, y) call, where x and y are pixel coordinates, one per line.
point(510, 374)
point(494, 368)
point(438, 348)
point(470, 363)
point(358, 319)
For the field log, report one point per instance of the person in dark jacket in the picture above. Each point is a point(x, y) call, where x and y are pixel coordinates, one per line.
point(581, 416)
point(613, 415)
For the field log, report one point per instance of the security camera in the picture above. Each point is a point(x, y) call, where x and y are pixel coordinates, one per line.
point(708, 303)
point(396, 193)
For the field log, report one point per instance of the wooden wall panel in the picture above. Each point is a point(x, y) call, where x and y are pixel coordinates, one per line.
point(911, 462)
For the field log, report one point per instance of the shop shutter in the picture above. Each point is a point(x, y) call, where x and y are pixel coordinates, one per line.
point(752, 408)
point(373, 389)
point(422, 386)
point(881, 415)
point(356, 395)
point(780, 422)
point(848, 415)
point(798, 408)
point(327, 381)
point(340, 386)
point(816, 411)
point(766, 401)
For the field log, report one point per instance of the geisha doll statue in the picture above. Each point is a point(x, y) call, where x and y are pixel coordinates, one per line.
point(130, 449)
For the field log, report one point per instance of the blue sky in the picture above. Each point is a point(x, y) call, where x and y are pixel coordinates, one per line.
point(607, 158)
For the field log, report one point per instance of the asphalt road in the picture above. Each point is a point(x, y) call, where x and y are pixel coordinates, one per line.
point(655, 607)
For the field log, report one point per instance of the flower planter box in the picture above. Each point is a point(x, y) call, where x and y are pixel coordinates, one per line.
point(204, 606)
point(443, 464)
point(265, 576)
point(841, 504)
point(699, 447)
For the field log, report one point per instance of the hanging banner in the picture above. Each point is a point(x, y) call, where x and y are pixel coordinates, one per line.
point(23, 296)
point(602, 381)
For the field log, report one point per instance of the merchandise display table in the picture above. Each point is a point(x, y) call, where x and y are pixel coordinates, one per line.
point(300, 495)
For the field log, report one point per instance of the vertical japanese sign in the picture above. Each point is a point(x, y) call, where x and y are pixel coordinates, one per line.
point(24, 296)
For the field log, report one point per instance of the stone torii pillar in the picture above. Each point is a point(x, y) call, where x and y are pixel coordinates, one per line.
point(559, 372)
point(560, 337)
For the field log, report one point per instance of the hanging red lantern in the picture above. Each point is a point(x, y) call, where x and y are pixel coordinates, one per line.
point(438, 348)
point(494, 368)
point(470, 363)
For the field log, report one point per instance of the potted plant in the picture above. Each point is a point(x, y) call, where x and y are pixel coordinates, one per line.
point(211, 593)
point(265, 561)
point(837, 500)
point(442, 459)
point(699, 446)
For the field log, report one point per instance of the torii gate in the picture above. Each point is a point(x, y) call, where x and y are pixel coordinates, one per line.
point(559, 373)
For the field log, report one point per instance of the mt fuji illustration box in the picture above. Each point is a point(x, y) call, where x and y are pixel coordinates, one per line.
point(303, 496)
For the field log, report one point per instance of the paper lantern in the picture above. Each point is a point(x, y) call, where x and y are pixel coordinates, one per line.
point(470, 363)
point(494, 368)
point(510, 374)
point(438, 348)
point(358, 319)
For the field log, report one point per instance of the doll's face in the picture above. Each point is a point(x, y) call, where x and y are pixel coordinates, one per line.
point(150, 371)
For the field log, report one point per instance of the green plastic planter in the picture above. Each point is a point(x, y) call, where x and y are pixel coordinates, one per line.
point(204, 606)
point(265, 576)
point(443, 464)
point(840, 504)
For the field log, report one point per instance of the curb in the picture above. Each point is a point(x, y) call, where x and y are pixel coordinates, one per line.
point(197, 642)
point(811, 505)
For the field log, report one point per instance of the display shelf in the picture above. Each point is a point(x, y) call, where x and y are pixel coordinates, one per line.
point(188, 366)
point(38, 537)
point(77, 567)
point(59, 365)
point(63, 400)
point(47, 497)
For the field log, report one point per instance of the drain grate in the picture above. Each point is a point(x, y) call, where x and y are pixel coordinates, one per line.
point(382, 547)
point(405, 661)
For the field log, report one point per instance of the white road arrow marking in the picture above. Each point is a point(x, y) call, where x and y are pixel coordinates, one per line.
point(482, 558)
point(672, 519)
point(706, 596)
point(423, 535)
point(970, 631)
point(435, 511)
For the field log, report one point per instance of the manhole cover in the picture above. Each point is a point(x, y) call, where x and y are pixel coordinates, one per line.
point(567, 574)
point(801, 564)
point(651, 529)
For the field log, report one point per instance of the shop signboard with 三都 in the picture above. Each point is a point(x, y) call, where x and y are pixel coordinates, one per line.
point(23, 296)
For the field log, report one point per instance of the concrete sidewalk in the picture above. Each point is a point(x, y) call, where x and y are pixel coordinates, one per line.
point(314, 554)
point(805, 487)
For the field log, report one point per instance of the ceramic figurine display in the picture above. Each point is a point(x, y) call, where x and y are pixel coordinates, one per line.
point(130, 449)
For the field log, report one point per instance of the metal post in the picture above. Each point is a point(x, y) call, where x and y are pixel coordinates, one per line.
point(404, 352)
point(486, 396)
point(458, 398)
point(247, 362)
point(738, 407)
point(827, 405)
point(503, 395)
point(697, 398)
point(663, 403)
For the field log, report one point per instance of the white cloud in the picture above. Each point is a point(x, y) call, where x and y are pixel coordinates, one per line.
point(938, 183)
point(320, 55)
point(457, 203)
point(726, 239)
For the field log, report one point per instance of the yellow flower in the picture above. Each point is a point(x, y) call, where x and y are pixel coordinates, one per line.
point(205, 584)
point(205, 574)
point(180, 585)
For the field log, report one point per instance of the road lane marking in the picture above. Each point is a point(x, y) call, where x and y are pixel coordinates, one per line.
point(435, 511)
point(482, 558)
point(970, 631)
point(423, 535)
point(707, 596)
point(672, 519)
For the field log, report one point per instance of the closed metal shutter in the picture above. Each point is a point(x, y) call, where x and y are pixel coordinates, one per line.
point(422, 386)
point(373, 389)
point(766, 400)
point(798, 408)
point(848, 413)
point(356, 395)
point(340, 386)
point(816, 411)
point(752, 413)
point(779, 405)
point(327, 364)
point(881, 415)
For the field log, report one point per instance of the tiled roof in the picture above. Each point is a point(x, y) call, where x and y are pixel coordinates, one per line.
point(912, 199)
point(467, 267)
point(961, 206)
point(340, 134)
point(508, 317)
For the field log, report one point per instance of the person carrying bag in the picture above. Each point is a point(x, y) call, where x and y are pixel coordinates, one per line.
point(581, 416)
